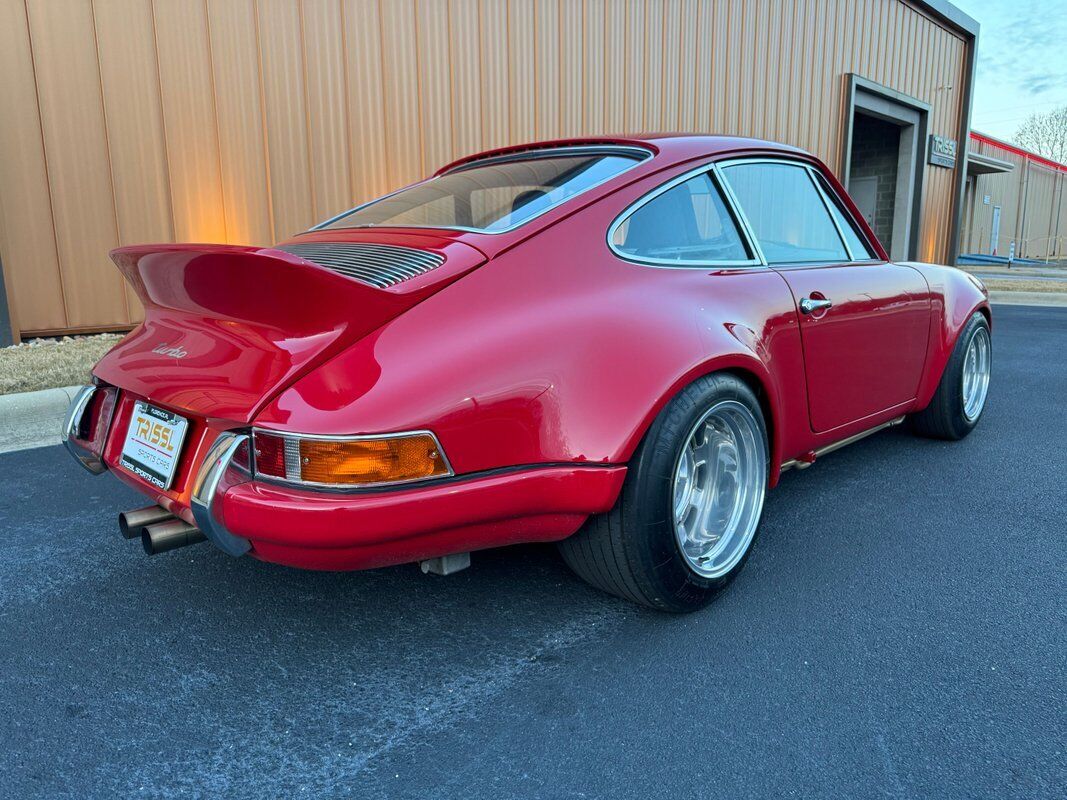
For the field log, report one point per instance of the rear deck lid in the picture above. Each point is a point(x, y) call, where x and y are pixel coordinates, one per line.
point(227, 327)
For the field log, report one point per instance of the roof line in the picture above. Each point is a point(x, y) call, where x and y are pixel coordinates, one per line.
point(550, 144)
point(985, 138)
point(952, 15)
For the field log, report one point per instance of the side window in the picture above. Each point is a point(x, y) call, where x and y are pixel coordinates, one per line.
point(860, 250)
point(787, 215)
point(688, 223)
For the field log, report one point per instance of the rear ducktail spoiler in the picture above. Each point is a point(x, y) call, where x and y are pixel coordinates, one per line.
point(227, 327)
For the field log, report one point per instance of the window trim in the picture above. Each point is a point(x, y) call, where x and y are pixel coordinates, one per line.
point(710, 169)
point(812, 172)
point(638, 154)
point(735, 206)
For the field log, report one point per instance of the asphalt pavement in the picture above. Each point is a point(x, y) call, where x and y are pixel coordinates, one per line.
point(900, 630)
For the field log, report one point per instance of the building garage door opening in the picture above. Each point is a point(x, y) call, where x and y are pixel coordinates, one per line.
point(884, 163)
point(873, 180)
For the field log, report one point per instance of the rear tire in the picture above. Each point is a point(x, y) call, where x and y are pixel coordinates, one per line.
point(690, 507)
point(960, 398)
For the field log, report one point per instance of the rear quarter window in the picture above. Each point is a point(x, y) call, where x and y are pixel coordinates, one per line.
point(684, 223)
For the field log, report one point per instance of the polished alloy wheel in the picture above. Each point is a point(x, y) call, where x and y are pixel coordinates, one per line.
point(976, 366)
point(719, 482)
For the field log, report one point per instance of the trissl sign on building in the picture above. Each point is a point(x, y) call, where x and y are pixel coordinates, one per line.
point(942, 151)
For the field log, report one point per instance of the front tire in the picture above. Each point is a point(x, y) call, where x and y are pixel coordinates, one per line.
point(961, 395)
point(690, 507)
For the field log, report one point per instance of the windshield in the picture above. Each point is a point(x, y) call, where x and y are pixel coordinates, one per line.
point(492, 197)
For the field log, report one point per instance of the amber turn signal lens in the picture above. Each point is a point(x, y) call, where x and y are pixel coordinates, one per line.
point(369, 461)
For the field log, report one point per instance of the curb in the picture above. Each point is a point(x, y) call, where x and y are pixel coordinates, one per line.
point(33, 419)
point(1021, 272)
point(1052, 299)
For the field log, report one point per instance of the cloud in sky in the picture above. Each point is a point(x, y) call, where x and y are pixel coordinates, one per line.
point(1022, 61)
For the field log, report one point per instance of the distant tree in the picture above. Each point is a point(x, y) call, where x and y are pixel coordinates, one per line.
point(1045, 134)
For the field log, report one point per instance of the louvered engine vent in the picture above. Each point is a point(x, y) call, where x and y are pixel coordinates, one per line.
point(379, 265)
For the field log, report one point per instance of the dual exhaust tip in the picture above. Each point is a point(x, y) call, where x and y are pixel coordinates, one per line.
point(158, 530)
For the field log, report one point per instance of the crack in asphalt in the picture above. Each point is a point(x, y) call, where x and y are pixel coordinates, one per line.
point(275, 758)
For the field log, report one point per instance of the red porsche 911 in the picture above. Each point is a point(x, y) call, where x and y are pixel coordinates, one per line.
point(617, 344)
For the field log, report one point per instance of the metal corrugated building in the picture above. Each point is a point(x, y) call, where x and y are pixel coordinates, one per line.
point(1015, 197)
point(248, 120)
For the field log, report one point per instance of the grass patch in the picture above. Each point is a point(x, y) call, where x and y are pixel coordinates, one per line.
point(1023, 285)
point(49, 363)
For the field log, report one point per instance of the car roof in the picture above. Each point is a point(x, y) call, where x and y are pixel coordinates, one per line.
point(665, 148)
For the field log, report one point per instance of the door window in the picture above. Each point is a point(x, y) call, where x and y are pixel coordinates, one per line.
point(687, 223)
point(788, 216)
point(859, 248)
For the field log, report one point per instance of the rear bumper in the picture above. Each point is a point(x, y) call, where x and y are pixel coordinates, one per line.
point(328, 531)
point(356, 530)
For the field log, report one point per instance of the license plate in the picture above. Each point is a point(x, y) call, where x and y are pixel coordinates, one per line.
point(153, 444)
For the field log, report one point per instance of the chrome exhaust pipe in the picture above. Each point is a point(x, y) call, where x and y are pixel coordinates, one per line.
point(133, 523)
point(169, 535)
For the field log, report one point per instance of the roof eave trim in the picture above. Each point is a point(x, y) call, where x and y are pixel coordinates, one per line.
point(952, 15)
point(987, 165)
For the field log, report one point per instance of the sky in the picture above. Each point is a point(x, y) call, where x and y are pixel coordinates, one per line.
point(1022, 61)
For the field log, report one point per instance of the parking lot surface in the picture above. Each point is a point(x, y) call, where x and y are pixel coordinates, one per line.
point(900, 630)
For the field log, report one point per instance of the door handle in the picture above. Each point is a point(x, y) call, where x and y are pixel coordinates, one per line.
point(809, 305)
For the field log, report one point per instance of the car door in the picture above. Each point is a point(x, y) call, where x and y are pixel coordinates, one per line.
point(864, 322)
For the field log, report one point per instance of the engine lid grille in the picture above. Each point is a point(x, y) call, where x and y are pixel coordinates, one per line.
point(378, 265)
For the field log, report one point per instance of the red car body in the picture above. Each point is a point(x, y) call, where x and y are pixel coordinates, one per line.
point(538, 357)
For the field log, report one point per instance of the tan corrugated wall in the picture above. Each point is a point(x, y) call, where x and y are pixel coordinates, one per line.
point(1033, 207)
point(248, 120)
point(1037, 224)
point(1003, 189)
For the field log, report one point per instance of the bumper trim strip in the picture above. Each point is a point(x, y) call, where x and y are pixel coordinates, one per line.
point(209, 486)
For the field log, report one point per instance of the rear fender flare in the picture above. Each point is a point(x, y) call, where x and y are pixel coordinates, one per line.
point(750, 370)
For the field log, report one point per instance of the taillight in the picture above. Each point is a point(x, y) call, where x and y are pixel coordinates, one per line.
point(241, 456)
point(350, 462)
point(270, 455)
point(97, 417)
point(86, 426)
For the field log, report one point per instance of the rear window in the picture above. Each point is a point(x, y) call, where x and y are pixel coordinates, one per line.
point(494, 196)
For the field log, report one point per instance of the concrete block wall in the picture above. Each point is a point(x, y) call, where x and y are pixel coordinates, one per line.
point(875, 151)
